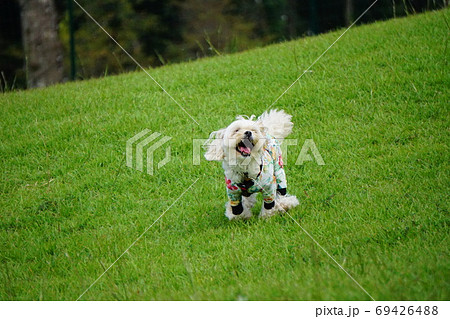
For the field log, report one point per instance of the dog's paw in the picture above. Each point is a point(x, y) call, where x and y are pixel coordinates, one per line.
point(282, 205)
point(246, 213)
point(266, 213)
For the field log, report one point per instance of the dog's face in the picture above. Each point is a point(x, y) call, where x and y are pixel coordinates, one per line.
point(241, 137)
point(239, 140)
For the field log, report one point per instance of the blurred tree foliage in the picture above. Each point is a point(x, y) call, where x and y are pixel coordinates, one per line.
point(213, 27)
point(158, 32)
point(142, 27)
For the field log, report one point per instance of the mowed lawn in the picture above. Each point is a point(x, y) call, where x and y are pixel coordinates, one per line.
point(377, 107)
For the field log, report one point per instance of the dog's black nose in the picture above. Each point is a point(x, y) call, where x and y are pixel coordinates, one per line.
point(248, 133)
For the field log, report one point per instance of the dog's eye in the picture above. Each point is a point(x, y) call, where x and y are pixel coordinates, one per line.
point(236, 131)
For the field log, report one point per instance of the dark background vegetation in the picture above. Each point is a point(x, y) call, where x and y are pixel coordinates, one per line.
point(158, 32)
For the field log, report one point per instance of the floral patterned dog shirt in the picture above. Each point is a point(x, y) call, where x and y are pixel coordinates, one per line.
point(270, 179)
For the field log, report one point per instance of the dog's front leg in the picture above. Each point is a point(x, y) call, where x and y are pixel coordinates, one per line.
point(240, 211)
point(238, 206)
point(270, 206)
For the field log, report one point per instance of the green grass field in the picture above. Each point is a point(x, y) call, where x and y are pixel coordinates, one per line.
point(377, 107)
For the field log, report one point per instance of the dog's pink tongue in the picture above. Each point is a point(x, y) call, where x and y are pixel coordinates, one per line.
point(245, 150)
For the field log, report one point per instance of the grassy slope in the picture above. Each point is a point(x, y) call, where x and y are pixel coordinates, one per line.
point(377, 107)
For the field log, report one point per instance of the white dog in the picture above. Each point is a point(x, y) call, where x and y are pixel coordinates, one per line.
point(251, 158)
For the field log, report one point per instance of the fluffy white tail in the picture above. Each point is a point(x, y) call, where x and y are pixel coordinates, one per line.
point(277, 123)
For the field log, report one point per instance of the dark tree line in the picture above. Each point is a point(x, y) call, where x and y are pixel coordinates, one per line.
point(34, 35)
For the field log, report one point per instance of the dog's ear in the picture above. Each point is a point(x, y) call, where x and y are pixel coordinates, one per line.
point(214, 146)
